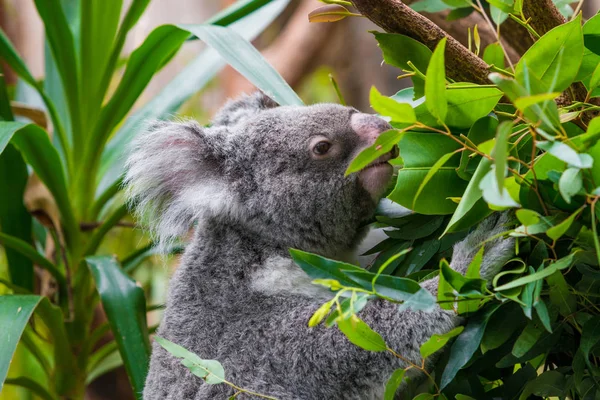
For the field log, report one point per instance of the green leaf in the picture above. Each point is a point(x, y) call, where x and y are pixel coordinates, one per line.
point(434, 169)
point(534, 113)
point(557, 231)
point(590, 336)
point(35, 147)
point(564, 153)
point(420, 151)
point(435, 83)
point(162, 43)
point(560, 295)
point(470, 197)
point(99, 23)
point(318, 267)
point(15, 220)
point(11, 57)
point(500, 151)
point(399, 49)
point(469, 103)
point(522, 103)
point(61, 42)
point(465, 345)
point(527, 339)
point(542, 312)
point(383, 144)
point(190, 80)
point(125, 307)
point(424, 396)
point(398, 112)
point(15, 311)
point(494, 55)
point(361, 335)
point(393, 384)
point(549, 384)
point(570, 183)
point(501, 327)
point(31, 385)
point(248, 61)
point(460, 283)
point(437, 341)
point(29, 252)
point(210, 370)
point(543, 57)
point(495, 195)
point(135, 11)
point(561, 264)
point(527, 217)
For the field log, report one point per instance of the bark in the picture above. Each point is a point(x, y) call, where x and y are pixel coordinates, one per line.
point(544, 15)
point(396, 17)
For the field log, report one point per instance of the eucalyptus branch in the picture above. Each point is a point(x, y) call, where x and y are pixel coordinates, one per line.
point(497, 32)
point(396, 17)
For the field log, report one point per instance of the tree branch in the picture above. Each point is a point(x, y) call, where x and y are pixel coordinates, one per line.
point(396, 17)
point(543, 15)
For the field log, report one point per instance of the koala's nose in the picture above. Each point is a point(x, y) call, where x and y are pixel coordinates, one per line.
point(368, 127)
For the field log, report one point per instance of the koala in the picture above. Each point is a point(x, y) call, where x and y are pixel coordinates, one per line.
point(260, 180)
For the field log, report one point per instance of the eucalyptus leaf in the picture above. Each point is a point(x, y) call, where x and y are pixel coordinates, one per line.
point(435, 83)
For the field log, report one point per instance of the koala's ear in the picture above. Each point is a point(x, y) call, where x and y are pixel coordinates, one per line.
point(174, 177)
point(235, 111)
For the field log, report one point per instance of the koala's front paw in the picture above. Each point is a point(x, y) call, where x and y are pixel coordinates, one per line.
point(496, 253)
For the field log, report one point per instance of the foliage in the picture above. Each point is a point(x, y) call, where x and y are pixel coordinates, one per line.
point(468, 150)
point(79, 161)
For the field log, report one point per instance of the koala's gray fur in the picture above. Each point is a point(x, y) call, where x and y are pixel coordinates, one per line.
point(237, 297)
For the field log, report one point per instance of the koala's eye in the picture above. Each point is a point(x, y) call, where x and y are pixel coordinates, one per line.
point(321, 148)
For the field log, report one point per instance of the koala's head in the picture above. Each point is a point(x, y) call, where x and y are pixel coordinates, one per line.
point(275, 171)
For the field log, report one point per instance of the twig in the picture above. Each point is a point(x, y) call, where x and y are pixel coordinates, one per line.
point(395, 16)
point(491, 25)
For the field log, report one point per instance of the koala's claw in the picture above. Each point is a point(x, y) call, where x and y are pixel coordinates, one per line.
point(496, 252)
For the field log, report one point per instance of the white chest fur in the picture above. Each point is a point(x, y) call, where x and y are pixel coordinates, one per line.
point(280, 275)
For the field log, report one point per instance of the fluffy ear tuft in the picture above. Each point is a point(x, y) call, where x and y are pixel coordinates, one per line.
point(245, 106)
point(174, 178)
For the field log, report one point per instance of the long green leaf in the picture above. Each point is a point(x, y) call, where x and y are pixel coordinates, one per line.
point(32, 386)
point(434, 169)
point(465, 345)
point(248, 61)
point(35, 147)
point(27, 251)
point(14, 218)
point(543, 59)
point(99, 22)
point(471, 195)
point(125, 306)
point(61, 42)
point(144, 62)
point(549, 270)
point(9, 54)
point(435, 83)
point(236, 11)
point(193, 78)
point(15, 311)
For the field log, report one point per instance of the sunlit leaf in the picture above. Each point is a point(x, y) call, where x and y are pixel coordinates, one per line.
point(437, 341)
point(435, 83)
point(360, 334)
point(386, 106)
point(329, 13)
point(542, 58)
point(549, 270)
point(383, 144)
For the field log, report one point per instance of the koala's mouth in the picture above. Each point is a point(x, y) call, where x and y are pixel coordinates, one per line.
point(384, 158)
point(375, 177)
